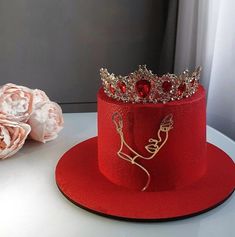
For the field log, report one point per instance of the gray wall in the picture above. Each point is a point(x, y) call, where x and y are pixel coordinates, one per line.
point(59, 45)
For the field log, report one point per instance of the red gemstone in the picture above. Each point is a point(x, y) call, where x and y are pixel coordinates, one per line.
point(111, 89)
point(181, 89)
point(156, 95)
point(166, 86)
point(143, 88)
point(192, 82)
point(122, 86)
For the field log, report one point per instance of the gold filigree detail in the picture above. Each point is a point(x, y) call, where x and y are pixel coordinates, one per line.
point(154, 146)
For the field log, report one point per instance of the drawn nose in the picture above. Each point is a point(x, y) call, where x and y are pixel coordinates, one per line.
point(154, 141)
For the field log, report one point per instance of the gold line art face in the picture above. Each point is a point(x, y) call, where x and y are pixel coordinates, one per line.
point(154, 146)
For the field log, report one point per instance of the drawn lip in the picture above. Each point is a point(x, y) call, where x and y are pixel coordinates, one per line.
point(151, 148)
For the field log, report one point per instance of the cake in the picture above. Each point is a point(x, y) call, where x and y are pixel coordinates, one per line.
point(182, 159)
point(151, 160)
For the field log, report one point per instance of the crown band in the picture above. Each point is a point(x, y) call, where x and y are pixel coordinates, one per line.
point(142, 86)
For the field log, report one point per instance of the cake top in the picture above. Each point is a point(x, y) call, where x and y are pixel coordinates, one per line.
point(142, 86)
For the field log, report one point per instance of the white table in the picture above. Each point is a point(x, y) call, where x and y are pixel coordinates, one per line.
point(31, 204)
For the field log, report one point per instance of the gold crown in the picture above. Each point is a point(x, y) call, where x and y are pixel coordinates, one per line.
point(142, 86)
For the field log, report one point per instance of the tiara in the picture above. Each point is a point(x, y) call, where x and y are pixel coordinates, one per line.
point(142, 86)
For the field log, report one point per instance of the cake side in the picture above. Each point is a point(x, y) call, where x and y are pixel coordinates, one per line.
point(180, 162)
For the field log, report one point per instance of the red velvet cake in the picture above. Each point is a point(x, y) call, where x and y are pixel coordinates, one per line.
point(180, 162)
point(150, 160)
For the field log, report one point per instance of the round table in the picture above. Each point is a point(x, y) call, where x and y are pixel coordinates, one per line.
point(32, 205)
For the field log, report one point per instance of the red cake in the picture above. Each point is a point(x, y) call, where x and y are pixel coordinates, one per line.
point(151, 160)
point(180, 162)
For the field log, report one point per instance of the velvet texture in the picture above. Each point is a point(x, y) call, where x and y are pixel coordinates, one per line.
point(79, 179)
point(179, 163)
